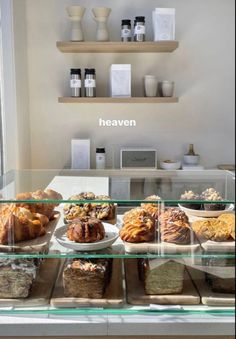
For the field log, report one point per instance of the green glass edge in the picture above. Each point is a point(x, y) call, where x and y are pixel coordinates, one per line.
point(117, 201)
point(114, 255)
point(90, 311)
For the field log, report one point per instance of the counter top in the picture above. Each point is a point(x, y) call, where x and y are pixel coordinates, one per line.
point(145, 325)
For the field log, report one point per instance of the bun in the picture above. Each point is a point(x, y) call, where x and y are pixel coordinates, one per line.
point(86, 230)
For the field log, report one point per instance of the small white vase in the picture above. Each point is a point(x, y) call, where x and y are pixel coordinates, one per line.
point(101, 15)
point(76, 14)
point(167, 88)
point(150, 84)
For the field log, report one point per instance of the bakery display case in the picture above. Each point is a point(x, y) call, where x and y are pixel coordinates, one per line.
point(117, 242)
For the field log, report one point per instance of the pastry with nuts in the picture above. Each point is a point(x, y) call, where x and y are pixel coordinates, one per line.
point(191, 196)
point(102, 211)
point(211, 195)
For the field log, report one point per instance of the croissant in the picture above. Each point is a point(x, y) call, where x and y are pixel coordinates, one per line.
point(19, 224)
point(46, 209)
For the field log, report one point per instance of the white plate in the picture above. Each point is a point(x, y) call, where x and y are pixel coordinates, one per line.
point(112, 233)
point(206, 214)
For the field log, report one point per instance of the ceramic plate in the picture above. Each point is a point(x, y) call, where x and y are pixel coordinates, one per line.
point(206, 214)
point(112, 233)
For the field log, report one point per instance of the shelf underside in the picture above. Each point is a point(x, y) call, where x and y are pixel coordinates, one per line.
point(117, 47)
point(107, 100)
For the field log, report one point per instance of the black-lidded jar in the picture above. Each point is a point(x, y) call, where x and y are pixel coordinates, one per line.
point(139, 29)
point(126, 32)
point(75, 82)
point(90, 82)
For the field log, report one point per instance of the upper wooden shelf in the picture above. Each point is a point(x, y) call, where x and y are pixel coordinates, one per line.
point(117, 47)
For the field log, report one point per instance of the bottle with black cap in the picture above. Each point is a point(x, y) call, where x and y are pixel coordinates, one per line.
point(75, 82)
point(90, 83)
point(139, 29)
point(126, 33)
point(100, 158)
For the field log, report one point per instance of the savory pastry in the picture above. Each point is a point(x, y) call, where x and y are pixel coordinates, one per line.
point(212, 195)
point(86, 230)
point(19, 224)
point(229, 218)
point(212, 229)
point(152, 208)
point(139, 226)
point(16, 278)
point(102, 211)
point(175, 227)
point(86, 278)
point(167, 278)
point(40, 207)
point(191, 196)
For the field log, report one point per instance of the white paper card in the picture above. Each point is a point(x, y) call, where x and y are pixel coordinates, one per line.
point(164, 24)
point(80, 154)
point(120, 81)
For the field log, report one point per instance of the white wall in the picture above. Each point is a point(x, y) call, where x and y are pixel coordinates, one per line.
point(203, 69)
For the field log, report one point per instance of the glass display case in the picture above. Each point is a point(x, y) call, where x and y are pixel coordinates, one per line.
point(117, 242)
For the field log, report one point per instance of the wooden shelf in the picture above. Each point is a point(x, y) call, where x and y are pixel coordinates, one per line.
point(117, 47)
point(103, 100)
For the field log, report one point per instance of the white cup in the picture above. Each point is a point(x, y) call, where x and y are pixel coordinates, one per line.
point(150, 83)
point(167, 88)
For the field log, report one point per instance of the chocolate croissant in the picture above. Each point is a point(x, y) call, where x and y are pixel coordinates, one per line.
point(19, 224)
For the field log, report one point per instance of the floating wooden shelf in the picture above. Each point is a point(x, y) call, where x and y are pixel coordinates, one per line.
point(117, 47)
point(103, 100)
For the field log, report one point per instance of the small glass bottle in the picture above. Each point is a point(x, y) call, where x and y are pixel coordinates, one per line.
point(100, 158)
point(126, 33)
point(139, 29)
point(90, 83)
point(75, 82)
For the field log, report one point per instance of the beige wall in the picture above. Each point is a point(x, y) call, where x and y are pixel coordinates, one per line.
point(21, 76)
point(203, 68)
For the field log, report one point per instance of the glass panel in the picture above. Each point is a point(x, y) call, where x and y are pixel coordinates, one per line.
point(124, 186)
point(184, 248)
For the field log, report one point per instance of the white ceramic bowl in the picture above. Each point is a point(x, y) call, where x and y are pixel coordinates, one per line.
point(191, 159)
point(170, 165)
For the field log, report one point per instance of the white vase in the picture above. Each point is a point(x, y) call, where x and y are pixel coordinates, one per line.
point(101, 15)
point(150, 84)
point(76, 14)
point(167, 88)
